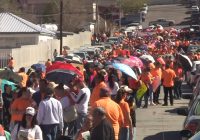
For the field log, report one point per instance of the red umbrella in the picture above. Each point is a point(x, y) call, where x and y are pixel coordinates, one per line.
point(61, 72)
point(133, 62)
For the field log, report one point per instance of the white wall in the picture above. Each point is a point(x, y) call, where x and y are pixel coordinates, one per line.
point(31, 54)
point(16, 40)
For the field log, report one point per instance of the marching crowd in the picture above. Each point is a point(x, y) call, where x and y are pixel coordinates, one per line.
point(103, 101)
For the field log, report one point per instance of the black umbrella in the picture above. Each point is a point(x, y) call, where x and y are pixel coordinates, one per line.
point(11, 76)
point(185, 62)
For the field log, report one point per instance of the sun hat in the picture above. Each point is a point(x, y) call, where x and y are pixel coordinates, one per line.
point(125, 88)
point(30, 111)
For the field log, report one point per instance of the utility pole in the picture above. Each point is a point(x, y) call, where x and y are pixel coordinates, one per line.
point(61, 26)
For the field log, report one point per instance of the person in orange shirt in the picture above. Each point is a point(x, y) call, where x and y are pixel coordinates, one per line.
point(24, 76)
point(18, 107)
point(48, 63)
point(147, 78)
point(157, 72)
point(113, 113)
point(178, 81)
point(11, 63)
point(168, 77)
point(126, 131)
point(99, 83)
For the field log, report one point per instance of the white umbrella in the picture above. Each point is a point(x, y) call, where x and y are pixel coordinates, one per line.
point(147, 57)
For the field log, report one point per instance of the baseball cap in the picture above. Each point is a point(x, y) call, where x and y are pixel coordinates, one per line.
point(30, 111)
point(125, 88)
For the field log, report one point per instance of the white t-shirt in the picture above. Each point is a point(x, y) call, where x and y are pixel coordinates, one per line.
point(65, 102)
point(32, 133)
point(115, 88)
point(82, 106)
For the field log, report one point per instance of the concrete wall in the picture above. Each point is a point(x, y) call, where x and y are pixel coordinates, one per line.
point(32, 54)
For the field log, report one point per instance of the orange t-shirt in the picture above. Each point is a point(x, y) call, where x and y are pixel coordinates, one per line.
point(156, 72)
point(20, 104)
point(24, 78)
point(146, 78)
point(113, 112)
point(126, 111)
point(96, 92)
point(168, 76)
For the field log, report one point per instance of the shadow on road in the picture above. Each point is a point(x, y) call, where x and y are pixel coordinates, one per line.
point(168, 135)
point(180, 111)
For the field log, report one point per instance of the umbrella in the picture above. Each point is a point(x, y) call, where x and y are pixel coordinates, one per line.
point(185, 61)
point(66, 47)
point(137, 60)
point(62, 73)
point(39, 67)
point(3, 82)
point(125, 69)
point(11, 76)
point(160, 60)
point(148, 57)
point(160, 38)
point(133, 62)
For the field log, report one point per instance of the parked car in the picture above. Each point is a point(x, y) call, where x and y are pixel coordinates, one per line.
point(162, 22)
point(193, 48)
point(134, 26)
point(194, 8)
point(193, 73)
point(83, 55)
point(192, 121)
point(113, 40)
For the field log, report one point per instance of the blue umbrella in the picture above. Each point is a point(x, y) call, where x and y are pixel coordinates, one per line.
point(125, 69)
point(39, 67)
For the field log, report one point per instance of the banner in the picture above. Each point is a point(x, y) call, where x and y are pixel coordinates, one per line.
point(141, 91)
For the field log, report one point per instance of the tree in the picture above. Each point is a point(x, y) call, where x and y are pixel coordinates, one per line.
point(130, 6)
point(10, 6)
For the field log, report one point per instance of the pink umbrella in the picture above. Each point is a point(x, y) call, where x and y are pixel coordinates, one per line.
point(133, 61)
point(161, 61)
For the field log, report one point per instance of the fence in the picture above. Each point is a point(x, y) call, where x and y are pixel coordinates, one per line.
point(31, 54)
point(4, 57)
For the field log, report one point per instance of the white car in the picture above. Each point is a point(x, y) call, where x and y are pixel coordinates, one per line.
point(133, 26)
point(191, 76)
point(195, 8)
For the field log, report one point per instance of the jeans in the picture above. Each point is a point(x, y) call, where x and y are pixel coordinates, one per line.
point(71, 131)
point(150, 93)
point(156, 95)
point(49, 131)
point(168, 91)
point(124, 133)
point(80, 120)
point(177, 89)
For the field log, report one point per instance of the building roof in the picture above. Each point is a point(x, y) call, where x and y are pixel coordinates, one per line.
point(10, 23)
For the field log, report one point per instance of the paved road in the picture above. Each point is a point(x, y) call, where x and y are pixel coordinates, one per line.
point(177, 12)
point(158, 122)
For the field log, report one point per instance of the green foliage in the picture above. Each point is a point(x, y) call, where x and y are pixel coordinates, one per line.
point(130, 6)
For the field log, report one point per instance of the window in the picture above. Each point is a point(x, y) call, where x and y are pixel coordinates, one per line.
point(197, 109)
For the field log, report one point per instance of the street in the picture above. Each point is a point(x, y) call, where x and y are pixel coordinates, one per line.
point(177, 12)
point(158, 122)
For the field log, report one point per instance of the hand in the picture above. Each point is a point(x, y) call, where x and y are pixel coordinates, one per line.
point(78, 136)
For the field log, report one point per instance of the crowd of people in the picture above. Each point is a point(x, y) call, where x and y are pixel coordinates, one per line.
point(102, 105)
